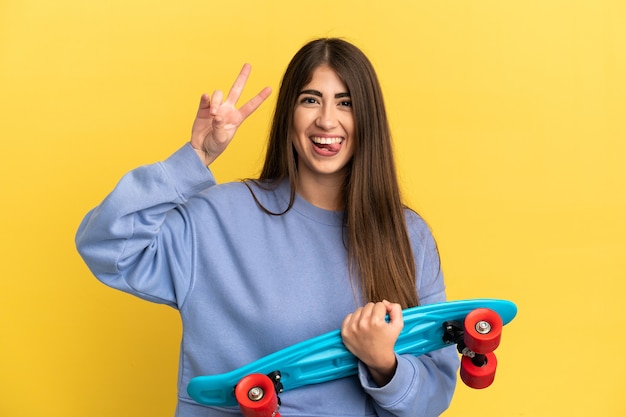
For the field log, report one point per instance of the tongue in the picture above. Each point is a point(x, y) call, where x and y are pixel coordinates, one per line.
point(331, 147)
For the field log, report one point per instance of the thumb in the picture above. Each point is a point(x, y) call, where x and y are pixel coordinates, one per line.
point(218, 122)
point(394, 311)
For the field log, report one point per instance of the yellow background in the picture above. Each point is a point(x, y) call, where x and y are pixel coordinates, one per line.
point(508, 119)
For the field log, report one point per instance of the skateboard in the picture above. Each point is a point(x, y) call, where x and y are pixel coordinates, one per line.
point(474, 326)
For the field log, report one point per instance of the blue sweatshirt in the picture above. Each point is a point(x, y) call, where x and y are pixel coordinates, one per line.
point(247, 283)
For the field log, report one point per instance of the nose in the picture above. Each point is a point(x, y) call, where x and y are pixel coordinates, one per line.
point(327, 118)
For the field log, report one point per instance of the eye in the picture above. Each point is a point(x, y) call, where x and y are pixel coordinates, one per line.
point(346, 103)
point(308, 100)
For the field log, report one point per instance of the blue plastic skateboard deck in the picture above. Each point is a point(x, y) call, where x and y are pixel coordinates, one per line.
point(324, 358)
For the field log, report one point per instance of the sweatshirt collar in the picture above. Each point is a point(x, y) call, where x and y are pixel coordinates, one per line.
point(304, 208)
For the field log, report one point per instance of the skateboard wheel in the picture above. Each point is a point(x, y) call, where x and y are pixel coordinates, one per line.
point(478, 377)
point(483, 328)
point(256, 396)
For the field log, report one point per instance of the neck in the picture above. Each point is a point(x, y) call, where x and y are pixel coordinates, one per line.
point(325, 193)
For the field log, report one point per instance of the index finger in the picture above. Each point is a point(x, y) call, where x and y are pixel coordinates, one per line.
point(255, 102)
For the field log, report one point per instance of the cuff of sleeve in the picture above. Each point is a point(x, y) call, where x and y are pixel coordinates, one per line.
point(397, 389)
point(187, 172)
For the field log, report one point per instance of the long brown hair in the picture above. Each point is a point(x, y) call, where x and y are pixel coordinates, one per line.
point(379, 252)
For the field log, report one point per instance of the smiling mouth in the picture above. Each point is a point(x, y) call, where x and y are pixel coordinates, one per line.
point(330, 144)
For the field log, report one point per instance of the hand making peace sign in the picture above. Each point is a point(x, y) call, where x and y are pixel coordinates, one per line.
point(217, 120)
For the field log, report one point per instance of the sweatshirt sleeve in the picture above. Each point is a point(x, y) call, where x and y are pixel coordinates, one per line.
point(422, 385)
point(139, 238)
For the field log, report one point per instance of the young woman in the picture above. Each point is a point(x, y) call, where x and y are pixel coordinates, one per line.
point(319, 241)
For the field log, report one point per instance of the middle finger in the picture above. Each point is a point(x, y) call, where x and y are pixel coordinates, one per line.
point(239, 84)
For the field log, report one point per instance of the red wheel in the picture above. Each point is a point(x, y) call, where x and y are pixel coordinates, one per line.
point(479, 377)
point(483, 328)
point(256, 396)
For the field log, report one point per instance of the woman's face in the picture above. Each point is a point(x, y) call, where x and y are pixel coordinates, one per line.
point(323, 127)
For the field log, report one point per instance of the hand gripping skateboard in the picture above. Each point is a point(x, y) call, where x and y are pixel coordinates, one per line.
point(474, 326)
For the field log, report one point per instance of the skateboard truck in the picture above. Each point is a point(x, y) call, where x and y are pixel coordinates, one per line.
point(278, 386)
point(454, 333)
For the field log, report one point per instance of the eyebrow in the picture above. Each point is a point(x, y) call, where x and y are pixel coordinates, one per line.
point(319, 94)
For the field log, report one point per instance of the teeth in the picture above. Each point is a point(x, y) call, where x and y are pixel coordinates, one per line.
point(326, 141)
